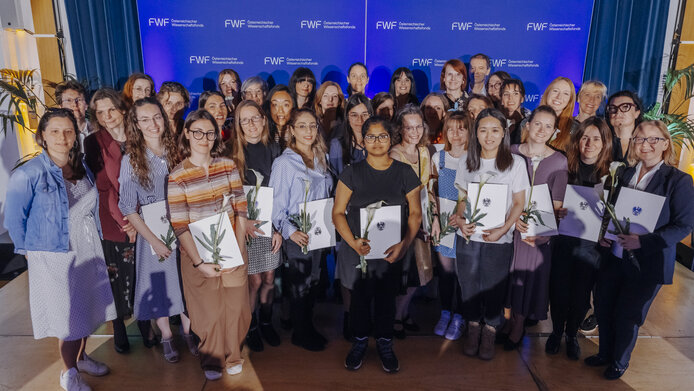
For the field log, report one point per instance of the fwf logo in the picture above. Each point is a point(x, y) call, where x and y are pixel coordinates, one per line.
point(461, 26)
point(539, 26)
point(199, 59)
point(422, 62)
point(310, 24)
point(498, 62)
point(273, 60)
point(234, 23)
point(386, 25)
point(532, 97)
point(158, 22)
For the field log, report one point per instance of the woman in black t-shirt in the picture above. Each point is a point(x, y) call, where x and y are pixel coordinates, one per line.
point(253, 149)
point(378, 178)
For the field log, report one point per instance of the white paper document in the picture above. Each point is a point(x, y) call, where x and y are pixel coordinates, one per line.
point(263, 205)
point(584, 213)
point(446, 206)
point(322, 232)
point(493, 201)
point(542, 202)
point(384, 231)
point(156, 220)
point(214, 235)
point(424, 201)
point(641, 208)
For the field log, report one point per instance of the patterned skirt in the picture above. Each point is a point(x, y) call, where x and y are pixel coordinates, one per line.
point(260, 256)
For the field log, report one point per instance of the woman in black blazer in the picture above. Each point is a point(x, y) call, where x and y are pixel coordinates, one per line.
point(626, 289)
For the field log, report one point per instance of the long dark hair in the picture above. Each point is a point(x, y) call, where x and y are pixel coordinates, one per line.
point(347, 138)
point(573, 152)
point(318, 147)
point(275, 132)
point(236, 144)
point(218, 148)
point(300, 73)
point(412, 95)
point(504, 158)
point(74, 158)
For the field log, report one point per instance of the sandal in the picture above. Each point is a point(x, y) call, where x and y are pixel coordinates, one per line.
point(192, 346)
point(170, 352)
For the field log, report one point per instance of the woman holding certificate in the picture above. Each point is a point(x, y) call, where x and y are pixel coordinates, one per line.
point(203, 185)
point(361, 185)
point(575, 261)
point(301, 175)
point(528, 295)
point(253, 151)
point(142, 201)
point(484, 254)
point(626, 288)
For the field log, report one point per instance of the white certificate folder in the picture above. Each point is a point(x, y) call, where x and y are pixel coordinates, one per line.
point(542, 202)
point(322, 232)
point(263, 202)
point(384, 231)
point(641, 208)
point(493, 201)
point(584, 213)
point(215, 234)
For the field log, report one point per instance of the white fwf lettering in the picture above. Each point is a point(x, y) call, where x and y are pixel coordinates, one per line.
point(199, 59)
point(273, 60)
point(385, 25)
point(234, 23)
point(158, 22)
point(310, 24)
point(463, 26)
point(536, 26)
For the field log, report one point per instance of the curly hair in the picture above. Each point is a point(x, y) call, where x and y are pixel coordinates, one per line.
point(136, 147)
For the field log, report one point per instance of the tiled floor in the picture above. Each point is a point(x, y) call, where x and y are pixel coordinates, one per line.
point(663, 359)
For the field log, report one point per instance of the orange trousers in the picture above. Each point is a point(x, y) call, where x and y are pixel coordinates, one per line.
point(219, 311)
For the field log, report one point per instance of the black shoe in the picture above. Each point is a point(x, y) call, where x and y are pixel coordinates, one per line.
point(309, 343)
point(589, 324)
point(253, 340)
point(286, 324)
point(409, 325)
point(614, 373)
point(573, 350)
point(122, 348)
point(553, 344)
point(120, 337)
point(269, 334)
point(399, 329)
point(356, 355)
point(385, 352)
point(510, 345)
point(346, 329)
point(501, 338)
point(595, 361)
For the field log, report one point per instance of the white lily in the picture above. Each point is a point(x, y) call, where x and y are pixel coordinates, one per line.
point(370, 212)
point(614, 166)
point(258, 179)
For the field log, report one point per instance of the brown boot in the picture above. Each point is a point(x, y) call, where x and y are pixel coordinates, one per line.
point(472, 341)
point(487, 343)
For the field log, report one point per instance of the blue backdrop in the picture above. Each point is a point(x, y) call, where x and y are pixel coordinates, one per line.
point(191, 42)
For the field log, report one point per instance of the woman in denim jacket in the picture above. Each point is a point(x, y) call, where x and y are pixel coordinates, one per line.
point(52, 216)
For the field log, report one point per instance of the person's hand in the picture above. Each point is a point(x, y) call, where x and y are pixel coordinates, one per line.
point(560, 213)
point(436, 229)
point(299, 238)
point(395, 252)
point(276, 242)
point(521, 226)
point(494, 234)
point(160, 249)
point(605, 242)
point(468, 229)
point(361, 246)
point(530, 240)
point(209, 270)
point(453, 221)
point(629, 241)
point(129, 230)
point(251, 230)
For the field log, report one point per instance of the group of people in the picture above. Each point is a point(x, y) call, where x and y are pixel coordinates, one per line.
point(76, 212)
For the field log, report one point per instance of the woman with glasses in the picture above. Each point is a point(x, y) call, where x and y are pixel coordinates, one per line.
point(301, 174)
point(143, 173)
point(217, 300)
point(512, 98)
point(626, 288)
point(377, 178)
point(454, 83)
point(493, 86)
point(403, 89)
point(358, 78)
point(624, 112)
point(302, 86)
point(175, 100)
point(328, 107)
point(411, 148)
point(483, 256)
point(279, 106)
point(51, 214)
point(456, 128)
point(346, 149)
point(255, 89)
point(229, 84)
point(138, 86)
point(434, 106)
point(214, 103)
point(253, 150)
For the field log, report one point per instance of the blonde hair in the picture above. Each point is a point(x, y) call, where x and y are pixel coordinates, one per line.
point(668, 154)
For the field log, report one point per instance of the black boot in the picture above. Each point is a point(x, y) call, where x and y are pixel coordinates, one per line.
point(346, 327)
point(145, 327)
point(313, 333)
point(573, 350)
point(120, 336)
point(253, 340)
point(302, 335)
point(266, 329)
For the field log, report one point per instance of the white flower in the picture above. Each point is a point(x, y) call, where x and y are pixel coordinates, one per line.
point(226, 199)
point(258, 178)
point(536, 161)
point(431, 185)
point(307, 185)
point(614, 166)
point(484, 178)
point(461, 192)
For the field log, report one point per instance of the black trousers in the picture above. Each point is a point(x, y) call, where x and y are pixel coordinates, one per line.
point(623, 298)
point(380, 289)
point(303, 270)
point(575, 264)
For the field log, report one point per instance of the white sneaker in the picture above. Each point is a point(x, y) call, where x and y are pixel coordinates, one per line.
point(72, 381)
point(211, 374)
point(455, 329)
point(440, 328)
point(91, 366)
point(235, 370)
